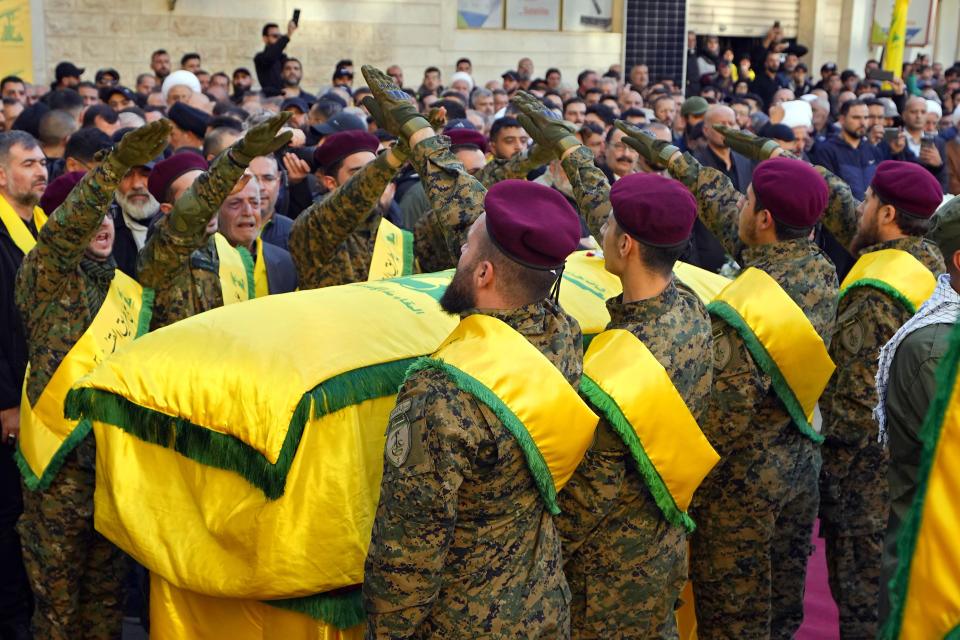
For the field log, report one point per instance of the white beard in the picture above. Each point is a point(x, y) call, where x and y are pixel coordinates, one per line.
point(140, 212)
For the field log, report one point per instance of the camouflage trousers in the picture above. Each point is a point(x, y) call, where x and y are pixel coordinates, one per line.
point(854, 501)
point(625, 564)
point(76, 574)
point(748, 555)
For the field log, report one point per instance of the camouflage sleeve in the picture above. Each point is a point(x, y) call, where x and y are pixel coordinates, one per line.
point(183, 229)
point(322, 227)
point(428, 452)
point(62, 240)
point(456, 198)
point(739, 386)
point(516, 168)
point(590, 187)
point(840, 216)
point(716, 199)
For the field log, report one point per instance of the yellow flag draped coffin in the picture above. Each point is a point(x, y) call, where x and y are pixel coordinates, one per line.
point(239, 452)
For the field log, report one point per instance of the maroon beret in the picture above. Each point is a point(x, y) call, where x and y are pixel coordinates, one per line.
point(654, 209)
point(58, 190)
point(166, 171)
point(792, 190)
point(338, 146)
point(907, 186)
point(468, 136)
point(531, 224)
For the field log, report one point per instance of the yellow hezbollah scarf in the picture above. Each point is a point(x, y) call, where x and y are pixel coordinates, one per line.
point(392, 252)
point(238, 459)
point(925, 590)
point(46, 437)
point(625, 381)
point(17, 228)
point(895, 272)
point(781, 340)
point(488, 359)
point(237, 276)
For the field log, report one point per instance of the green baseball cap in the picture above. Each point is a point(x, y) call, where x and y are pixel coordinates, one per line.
point(946, 227)
point(695, 106)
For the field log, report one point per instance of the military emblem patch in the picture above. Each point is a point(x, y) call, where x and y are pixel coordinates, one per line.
point(722, 351)
point(851, 336)
point(398, 435)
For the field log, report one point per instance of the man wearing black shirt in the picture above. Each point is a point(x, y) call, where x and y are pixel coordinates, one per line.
point(269, 62)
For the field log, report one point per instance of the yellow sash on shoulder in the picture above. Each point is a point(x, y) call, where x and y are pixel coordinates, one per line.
point(46, 436)
point(925, 590)
point(781, 340)
point(625, 381)
point(261, 285)
point(236, 271)
point(17, 228)
point(895, 272)
point(392, 252)
point(488, 359)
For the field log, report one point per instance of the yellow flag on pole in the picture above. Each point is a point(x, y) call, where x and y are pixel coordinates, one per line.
point(896, 38)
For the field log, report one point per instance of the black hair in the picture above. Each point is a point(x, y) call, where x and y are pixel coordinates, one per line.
point(430, 70)
point(267, 27)
point(84, 144)
point(583, 75)
point(589, 92)
point(633, 113)
point(502, 123)
point(188, 56)
point(603, 112)
point(158, 52)
point(459, 60)
point(908, 224)
point(551, 70)
point(455, 110)
point(63, 99)
point(845, 107)
point(11, 79)
point(102, 110)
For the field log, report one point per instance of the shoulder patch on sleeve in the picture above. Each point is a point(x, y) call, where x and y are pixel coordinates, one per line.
point(852, 335)
point(399, 434)
point(722, 350)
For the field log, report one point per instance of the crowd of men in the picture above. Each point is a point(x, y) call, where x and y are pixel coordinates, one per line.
point(187, 183)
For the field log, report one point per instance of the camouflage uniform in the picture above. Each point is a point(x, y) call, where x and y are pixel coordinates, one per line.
point(462, 542)
point(331, 242)
point(415, 205)
point(76, 574)
point(854, 494)
point(612, 530)
point(179, 261)
point(456, 198)
point(755, 511)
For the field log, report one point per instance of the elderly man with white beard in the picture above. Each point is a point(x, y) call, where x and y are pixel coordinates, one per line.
point(133, 210)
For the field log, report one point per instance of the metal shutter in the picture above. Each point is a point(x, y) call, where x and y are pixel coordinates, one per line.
point(743, 17)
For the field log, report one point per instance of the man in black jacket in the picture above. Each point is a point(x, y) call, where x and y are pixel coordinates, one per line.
point(269, 62)
point(23, 177)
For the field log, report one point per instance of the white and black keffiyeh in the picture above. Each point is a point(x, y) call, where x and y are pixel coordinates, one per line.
point(941, 307)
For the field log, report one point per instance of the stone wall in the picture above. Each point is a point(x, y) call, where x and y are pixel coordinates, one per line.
point(226, 33)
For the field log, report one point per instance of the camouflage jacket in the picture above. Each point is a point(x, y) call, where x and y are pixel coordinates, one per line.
point(462, 542)
point(590, 188)
point(456, 198)
point(675, 327)
point(59, 291)
point(416, 206)
point(515, 168)
point(179, 261)
point(742, 393)
point(331, 242)
point(867, 319)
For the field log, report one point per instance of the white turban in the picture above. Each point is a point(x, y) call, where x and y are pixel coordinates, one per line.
point(934, 107)
point(177, 78)
point(797, 113)
point(462, 75)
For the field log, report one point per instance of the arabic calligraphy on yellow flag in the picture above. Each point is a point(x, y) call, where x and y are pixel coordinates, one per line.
point(16, 43)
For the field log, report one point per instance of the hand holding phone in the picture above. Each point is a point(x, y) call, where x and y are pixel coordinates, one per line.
point(296, 17)
point(890, 134)
point(880, 74)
